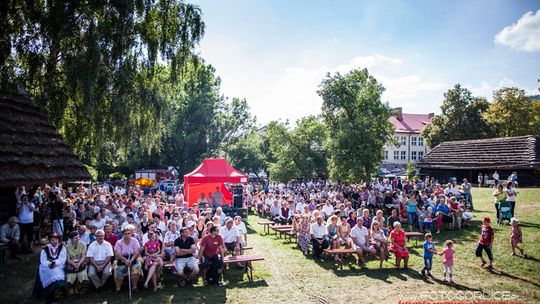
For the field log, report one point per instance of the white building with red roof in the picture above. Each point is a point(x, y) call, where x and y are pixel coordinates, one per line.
point(411, 145)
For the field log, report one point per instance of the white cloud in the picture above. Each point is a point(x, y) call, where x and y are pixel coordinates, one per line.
point(486, 89)
point(524, 35)
point(293, 94)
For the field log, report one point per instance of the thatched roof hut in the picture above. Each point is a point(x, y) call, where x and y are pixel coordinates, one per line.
point(467, 158)
point(32, 152)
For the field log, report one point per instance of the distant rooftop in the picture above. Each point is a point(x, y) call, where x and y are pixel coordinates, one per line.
point(414, 123)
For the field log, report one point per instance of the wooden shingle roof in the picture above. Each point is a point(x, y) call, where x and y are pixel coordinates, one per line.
point(521, 152)
point(32, 152)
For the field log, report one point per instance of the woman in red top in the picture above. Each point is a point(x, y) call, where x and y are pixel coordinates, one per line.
point(399, 245)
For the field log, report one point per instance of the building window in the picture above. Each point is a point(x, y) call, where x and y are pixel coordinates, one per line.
point(420, 141)
point(413, 155)
point(413, 141)
point(403, 154)
point(403, 140)
point(396, 154)
point(385, 154)
point(420, 155)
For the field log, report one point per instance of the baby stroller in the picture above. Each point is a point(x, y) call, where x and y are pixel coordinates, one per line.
point(505, 212)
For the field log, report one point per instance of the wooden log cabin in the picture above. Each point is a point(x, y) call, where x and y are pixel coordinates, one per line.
point(468, 158)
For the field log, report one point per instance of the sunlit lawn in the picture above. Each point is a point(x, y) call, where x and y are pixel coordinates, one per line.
point(287, 276)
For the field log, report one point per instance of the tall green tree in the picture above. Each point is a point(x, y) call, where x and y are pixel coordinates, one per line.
point(246, 153)
point(462, 117)
point(357, 124)
point(513, 113)
point(91, 65)
point(297, 153)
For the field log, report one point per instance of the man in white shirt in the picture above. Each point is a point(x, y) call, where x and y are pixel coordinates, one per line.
point(300, 206)
point(99, 255)
point(319, 237)
point(360, 237)
point(231, 237)
point(275, 211)
point(328, 209)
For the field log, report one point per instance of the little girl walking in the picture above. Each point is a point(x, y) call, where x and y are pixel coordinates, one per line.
point(448, 263)
point(515, 236)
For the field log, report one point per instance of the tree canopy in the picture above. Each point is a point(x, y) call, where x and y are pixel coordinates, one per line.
point(462, 117)
point(358, 122)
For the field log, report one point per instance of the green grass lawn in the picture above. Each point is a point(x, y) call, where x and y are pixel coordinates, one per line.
point(287, 276)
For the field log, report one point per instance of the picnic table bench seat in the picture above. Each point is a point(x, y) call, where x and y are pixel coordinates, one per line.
point(415, 235)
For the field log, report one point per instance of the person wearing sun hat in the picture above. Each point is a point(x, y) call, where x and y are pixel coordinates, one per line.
point(51, 277)
point(485, 243)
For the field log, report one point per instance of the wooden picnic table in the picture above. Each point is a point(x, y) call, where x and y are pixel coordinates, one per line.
point(340, 252)
point(266, 225)
point(415, 235)
point(246, 260)
point(283, 230)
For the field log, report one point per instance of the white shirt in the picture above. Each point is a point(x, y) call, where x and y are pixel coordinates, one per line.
point(241, 229)
point(26, 216)
point(171, 237)
point(358, 234)
point(318, 231)
point(227, 235)
point(300, 207)
point(328, 210)
point(100, 252)
point(98, 223)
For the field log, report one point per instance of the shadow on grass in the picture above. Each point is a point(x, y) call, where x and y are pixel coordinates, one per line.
point(530, 225)
point(511, 276)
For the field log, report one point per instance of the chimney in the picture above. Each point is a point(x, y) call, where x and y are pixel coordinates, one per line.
point(398, 112)
point(430, 115)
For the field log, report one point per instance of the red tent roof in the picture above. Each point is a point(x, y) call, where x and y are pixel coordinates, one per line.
point(214, 170)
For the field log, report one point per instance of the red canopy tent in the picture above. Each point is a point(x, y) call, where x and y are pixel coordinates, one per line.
point(212, 173)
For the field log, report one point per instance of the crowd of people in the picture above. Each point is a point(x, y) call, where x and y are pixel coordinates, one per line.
point(370, 217)
point(99, 232)
point(102, 231)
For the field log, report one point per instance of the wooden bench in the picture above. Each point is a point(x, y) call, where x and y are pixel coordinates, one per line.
point(246, 260)
point(415, 235)
point(340, 253)
point(291, 235)
point(283, 230)
point(276, 228)
point(266, 225)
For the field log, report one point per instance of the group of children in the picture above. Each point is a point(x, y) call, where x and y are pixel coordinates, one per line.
point(484, 244)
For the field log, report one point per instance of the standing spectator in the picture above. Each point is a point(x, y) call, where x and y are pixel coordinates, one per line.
point(319, 237)
point(25, 210)
point(495, 179)
point(99, 256)
point(10, 235)
point(511, 196)
point(57, 211)
point(480, 180)
point(218, 197)
point(467, 190)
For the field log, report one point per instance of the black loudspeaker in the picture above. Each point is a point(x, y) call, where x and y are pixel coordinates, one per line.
point(237, 201)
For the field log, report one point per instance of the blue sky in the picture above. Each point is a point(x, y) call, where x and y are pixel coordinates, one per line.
point(275, 53)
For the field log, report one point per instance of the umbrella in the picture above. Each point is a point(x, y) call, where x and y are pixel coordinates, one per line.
point(144, 182)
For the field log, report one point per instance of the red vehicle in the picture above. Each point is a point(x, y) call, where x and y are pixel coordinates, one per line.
point(157, 174)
